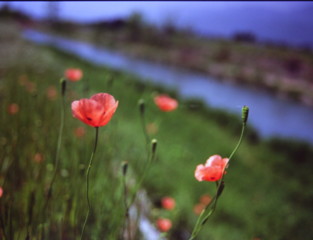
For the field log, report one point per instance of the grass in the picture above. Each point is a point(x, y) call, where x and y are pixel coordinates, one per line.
point(267, 193)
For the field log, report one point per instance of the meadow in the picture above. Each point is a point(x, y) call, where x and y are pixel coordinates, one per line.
point(267, 191)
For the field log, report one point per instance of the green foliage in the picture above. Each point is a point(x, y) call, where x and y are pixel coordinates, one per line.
point(266, 194)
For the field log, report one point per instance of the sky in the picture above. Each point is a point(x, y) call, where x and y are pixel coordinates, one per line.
point(290, 22)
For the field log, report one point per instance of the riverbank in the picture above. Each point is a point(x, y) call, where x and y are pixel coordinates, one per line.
point(297, 117)
point(283, 71)
point(262, 174)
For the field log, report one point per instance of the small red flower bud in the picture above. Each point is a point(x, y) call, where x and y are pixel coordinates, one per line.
point(165, 103)
point(164, 224)
point(168, 203)
point(13, 108)
point(73, 74)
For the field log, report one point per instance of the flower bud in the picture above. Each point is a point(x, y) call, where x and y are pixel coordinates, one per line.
point(164, 224)
point(63, 86)
point(141, 104)
point(154, 144)
point(168, 203)
point(124, 167)
point(245, 114)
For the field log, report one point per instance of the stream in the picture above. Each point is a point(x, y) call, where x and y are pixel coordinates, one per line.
point(269, 115)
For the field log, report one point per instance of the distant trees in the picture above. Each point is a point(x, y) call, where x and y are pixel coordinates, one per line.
point(7, 12)
point(244, 37)
point(135, 25)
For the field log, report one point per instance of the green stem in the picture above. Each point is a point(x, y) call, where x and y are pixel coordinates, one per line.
point(142, 178)
point(239, 142)
point(138, 185)
point(143, 123)
point(204, 217)
point(2, 227)
point(199, 220)
point(57, 155)
point(127, 220)
point(87, 181)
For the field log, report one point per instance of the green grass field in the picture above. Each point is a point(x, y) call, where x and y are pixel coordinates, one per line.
point(267, 186)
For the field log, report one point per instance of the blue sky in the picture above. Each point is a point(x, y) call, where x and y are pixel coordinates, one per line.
point(93, 10)
point(278, 21)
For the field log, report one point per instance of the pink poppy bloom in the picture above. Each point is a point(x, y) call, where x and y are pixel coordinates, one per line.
point(1, 192)
point(80, 132)
point(164, 224)
point(13, 108)
point(52, 93)
point(198, 208)
point(96, 111)
point(212, 170)
point(168, 203)
point(73, 74)
point(205, 199)
point(165, 103)
point(38, 158)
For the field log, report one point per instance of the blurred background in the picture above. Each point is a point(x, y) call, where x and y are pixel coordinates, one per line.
point(264, 46)
point(214, 57)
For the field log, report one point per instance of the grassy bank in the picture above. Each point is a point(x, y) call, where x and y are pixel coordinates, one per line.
point(267, 195)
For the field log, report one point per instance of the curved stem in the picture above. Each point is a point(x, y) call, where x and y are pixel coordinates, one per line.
point(141, 179)
point(212, 205)
point(239, 142)
point(87, 181)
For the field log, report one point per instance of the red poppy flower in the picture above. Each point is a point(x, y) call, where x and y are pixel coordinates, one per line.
point(205, 199)
point(212, 170)
point(168, 203)
point(80, 132)
point(165, 103)
point(73, 74)
point(164, 224)
point(52, 93)
point(1, 192)
point(197, 209)
point(38, 158)
point(96, 111)
point(13, 108)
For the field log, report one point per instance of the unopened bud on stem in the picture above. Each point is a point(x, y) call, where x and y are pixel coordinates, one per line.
point(154, 144)
point(124, 167)
point(141, 104)
point(245, 114)
point(63, 86)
